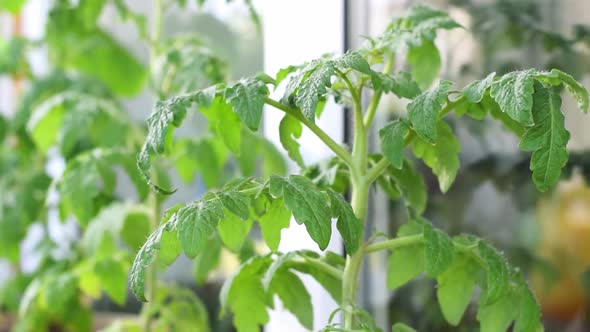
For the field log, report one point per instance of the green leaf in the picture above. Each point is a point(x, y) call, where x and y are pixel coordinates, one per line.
point(401, 327)
point(233, 231)
point(547, 138)
point(190, 159)
point(196, 222)
point(354, 60)
point(142, 261)
point(112, 276)
point(207, 260)
point(94, 52)
point(313, 87)
point(411, 185)
point(245, 296)
point(289, 130)
point(514, 94)
point(475, 91)
point(579, 92)
point(442, 157)
point(407, 262)
point(498, 315)
point(423, 111)
point(224, 123)
point(136, 228)
point(498, 275)
point(439, 251)
point(308, 205)
point(170, 247)
point(401, 84)
point(392, 142)
point(247, 99)
point(236, 202)
point(425, 61)
point(455, 288)
point(272, 222)
point(349, 226)
point(78, 186)
point(529, 318)
point(167, 114)
point(294, 296)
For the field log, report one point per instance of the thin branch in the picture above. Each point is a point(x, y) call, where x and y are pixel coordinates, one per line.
point(377, 170)
point(372, 109)
point(335, 147)
point(329, 269)
point(394, 243)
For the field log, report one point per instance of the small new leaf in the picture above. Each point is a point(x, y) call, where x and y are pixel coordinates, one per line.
point(315, 86)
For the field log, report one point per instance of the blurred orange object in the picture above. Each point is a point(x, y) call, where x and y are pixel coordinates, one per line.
point(564, 220)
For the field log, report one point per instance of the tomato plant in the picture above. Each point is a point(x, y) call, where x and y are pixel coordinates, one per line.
point(526, 102)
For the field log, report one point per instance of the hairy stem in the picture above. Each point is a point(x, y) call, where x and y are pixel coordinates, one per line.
point(372, 109)
point(325, 267)
point(335, 147)
point(154, 201)
point(394, 243)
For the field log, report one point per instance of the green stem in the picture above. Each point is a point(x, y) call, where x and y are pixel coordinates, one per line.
point(394, 243)
point(154, 201)
point(372, 109)
point(323, 266)
point(450, 106)
point(335, 147)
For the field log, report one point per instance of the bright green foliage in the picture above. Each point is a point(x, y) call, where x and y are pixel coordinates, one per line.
point(247, 99)
point(308, 205)
point(245, 295)
point(423, 112)
point(455, 288)
point(475, 91)
point(426, 63)
point(187, 64)
point(294, 295)
point(547, 138)
point(401, 84)
point(514, 94)
point(418, 26)
point(438, 250)
point(392, 142)
point(442, 157)
point(79, 185)
point(71, 119)
point(406, 263)
point(76, 44)
point(272, 221)
point(498, 273)
point(523, 101)
point(289, 130)
point(349, 226)
point(315, 84)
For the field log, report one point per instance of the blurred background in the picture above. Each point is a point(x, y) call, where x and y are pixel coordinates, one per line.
point(547, 235)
